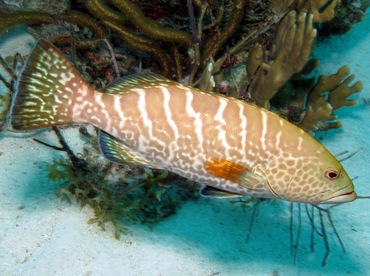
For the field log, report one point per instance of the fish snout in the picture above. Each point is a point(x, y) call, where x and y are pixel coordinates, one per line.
point(343, 198)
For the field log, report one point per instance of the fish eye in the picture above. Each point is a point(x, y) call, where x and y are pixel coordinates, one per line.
point(331, 174)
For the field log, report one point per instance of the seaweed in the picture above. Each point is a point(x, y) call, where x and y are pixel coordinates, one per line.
point(310, 102)
point(118, 194)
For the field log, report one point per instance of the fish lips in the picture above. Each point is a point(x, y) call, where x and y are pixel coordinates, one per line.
point(343, 198)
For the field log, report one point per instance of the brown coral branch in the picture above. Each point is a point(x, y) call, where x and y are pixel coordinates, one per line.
point(330, 93)
point(114, 20)
point(270, 70)
point(142, 44)
point(338, 89)
point(24, 17)
point(213, 46)
point(323, 10)
point(151, 27)
point(338, 97)
point(82, 19)
point(98, 8)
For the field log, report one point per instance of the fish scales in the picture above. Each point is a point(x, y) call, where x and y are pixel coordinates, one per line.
point(234, 147)
point(159, 137)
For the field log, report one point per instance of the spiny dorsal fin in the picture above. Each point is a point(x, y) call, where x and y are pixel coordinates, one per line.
point(125, 84)
point(116, 151)
point(236, 173)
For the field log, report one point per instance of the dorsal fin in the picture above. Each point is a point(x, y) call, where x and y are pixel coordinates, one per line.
point(116, 151)
point(125, 84)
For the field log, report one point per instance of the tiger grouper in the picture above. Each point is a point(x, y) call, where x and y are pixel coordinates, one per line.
point(233, 147)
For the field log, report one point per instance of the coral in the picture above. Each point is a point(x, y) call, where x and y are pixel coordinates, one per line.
point(174, 38)
point(320, 105)
point(151, 27)
point(309, 103)
point(212, 46)
point(322, 10)
point(270, 70)
point(165, 38)
point(23, 17)
point(347, 13)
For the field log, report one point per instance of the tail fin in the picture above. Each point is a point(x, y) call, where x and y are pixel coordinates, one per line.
point(46, 89)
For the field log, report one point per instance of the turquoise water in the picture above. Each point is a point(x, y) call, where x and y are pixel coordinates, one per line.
point(41, 234)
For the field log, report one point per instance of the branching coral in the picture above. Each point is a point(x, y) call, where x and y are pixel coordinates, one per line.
point(213, 45)
point(195, 53)
point(270, 70)
point(329, 94)
point(322, 10)
point(165, 40)
point(151, 27)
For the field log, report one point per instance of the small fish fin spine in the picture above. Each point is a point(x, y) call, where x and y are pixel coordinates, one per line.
point(46, 90)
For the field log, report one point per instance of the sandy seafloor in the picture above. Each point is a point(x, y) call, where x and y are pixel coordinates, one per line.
point(42, 235)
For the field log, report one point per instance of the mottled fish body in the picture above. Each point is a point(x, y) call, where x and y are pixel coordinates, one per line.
point(234, 147)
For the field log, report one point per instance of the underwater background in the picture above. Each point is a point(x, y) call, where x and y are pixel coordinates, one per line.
point(41, 233)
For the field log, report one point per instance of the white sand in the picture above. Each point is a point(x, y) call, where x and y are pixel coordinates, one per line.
point(41, 235)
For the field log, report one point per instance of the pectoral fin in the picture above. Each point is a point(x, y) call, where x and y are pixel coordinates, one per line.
point(116, 151)
point(236, 173)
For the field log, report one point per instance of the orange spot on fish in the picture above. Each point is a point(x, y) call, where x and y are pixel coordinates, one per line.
point(225, 169)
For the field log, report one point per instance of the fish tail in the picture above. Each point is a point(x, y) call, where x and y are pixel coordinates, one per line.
point(46, 90)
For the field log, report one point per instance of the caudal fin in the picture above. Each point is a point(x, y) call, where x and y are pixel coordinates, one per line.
point(46, 90)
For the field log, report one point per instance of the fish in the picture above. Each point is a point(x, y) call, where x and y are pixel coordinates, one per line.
point(232, 147)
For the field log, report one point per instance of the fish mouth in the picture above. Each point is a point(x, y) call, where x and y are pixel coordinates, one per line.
point(343, 198)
